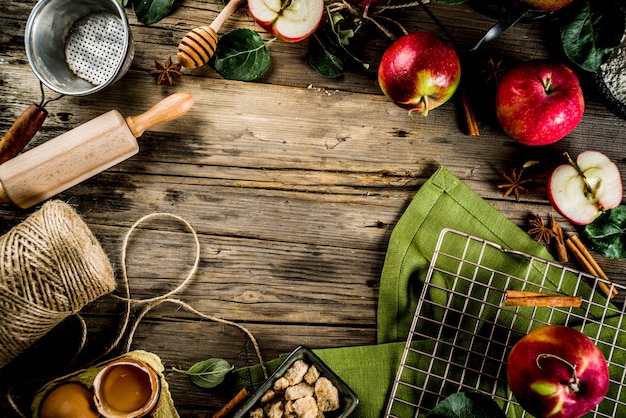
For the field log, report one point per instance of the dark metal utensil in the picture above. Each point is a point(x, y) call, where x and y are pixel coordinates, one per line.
point(510, 18)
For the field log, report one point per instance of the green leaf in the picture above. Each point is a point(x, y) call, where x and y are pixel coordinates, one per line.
point(324, 57)
point(122, 3)
point(467, 405)
point(241, 55)
point(328, 49)
point(607, 234)
point(591, 32)
point(151, 11)
point(208, 373)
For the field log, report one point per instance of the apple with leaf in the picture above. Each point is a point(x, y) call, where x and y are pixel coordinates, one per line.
point(556, 371)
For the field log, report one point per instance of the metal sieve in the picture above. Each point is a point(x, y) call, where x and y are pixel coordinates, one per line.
point(78, 47)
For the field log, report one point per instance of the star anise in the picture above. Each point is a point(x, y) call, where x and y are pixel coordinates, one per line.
point(514, 184)
point(166, 73)
point(539, 231)
point(493, 71)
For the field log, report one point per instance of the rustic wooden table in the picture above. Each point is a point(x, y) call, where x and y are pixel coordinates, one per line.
point(293, 183)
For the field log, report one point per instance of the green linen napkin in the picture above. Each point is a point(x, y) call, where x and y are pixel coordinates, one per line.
point(442, 202)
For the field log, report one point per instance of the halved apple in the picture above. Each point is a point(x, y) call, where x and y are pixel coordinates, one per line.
point(583, 189)
point(289, 20)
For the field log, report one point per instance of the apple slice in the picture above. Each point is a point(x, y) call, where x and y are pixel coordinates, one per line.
point(582, 190)
point(289, 20)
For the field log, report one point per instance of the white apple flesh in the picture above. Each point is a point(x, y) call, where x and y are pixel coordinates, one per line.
point(289, 20)
point(582, 190)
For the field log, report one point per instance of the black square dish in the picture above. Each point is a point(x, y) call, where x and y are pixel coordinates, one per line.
point(347, 399)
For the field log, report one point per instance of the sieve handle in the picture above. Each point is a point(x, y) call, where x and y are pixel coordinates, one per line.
point(167, 109)
point(21, 132)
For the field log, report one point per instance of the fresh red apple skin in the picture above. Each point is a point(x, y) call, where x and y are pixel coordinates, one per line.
point(539, 102)
point(540, 377)
point(368, 3)
point(547, 5)
point(419, 71)
point(291, 21)
point(579, 202)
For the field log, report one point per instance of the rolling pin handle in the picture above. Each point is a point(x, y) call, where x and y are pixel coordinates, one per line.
point(21, 132)
point(170, 108)
point(4, 198)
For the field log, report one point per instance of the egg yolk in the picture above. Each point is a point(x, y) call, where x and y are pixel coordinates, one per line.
point(69, 400)
point(126, 388)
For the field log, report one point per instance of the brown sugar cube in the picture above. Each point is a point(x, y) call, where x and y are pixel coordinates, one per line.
point(306, 407)
point(257, 413)
point(298, 391)
point(289, 411)
point(268, 396)
point(281, 384)
point(275, 410)
point(327, 395)
point(296, 372)
point(312, 375)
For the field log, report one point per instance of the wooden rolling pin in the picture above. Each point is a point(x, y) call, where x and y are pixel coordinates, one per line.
point(81, 153)
point(198, 46)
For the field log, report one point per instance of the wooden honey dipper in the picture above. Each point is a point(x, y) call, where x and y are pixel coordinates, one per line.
point(198, 46)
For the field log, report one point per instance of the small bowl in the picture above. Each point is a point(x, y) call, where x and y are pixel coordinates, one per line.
point(126, 388)
point(348, 401)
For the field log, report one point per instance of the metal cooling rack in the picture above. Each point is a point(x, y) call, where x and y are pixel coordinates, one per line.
point(462, 343)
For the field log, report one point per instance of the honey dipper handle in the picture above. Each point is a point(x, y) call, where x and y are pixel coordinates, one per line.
point(228, 10)
point(167, 109)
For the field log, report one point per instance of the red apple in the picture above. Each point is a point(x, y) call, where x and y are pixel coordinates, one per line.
point(539, 102)
point(368, 4)
point(419, 72)
point(581, 190)
point(547, 5)
point(558, 372)
point(289, 20)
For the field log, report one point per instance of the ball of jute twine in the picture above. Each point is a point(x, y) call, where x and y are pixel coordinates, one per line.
point(51, 265)
point(57, 220)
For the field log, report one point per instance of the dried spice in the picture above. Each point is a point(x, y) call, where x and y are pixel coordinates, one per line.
point(540, 231)
point(493, 71)
point(514, 184)
point(166, 73)
point(559, 240)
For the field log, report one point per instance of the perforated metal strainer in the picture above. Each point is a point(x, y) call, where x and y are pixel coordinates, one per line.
point(78, 47)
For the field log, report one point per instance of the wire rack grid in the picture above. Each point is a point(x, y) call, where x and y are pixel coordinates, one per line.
point(462, 332)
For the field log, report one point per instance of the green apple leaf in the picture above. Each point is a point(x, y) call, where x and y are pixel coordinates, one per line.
point(242, 55)
point(328, 50)
point(607, 234)
point(324, 56)
point(208, 373)
point(591, 32)
point(151, 11)
point(467, 405)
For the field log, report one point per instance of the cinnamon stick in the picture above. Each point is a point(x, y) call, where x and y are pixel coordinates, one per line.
point(522, 298)
point(239, 398)
point(589, 264)
point(559, 241)
point(471, 125)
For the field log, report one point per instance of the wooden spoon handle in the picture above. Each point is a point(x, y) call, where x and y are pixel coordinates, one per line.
point(21, 132)
point(167, 109)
